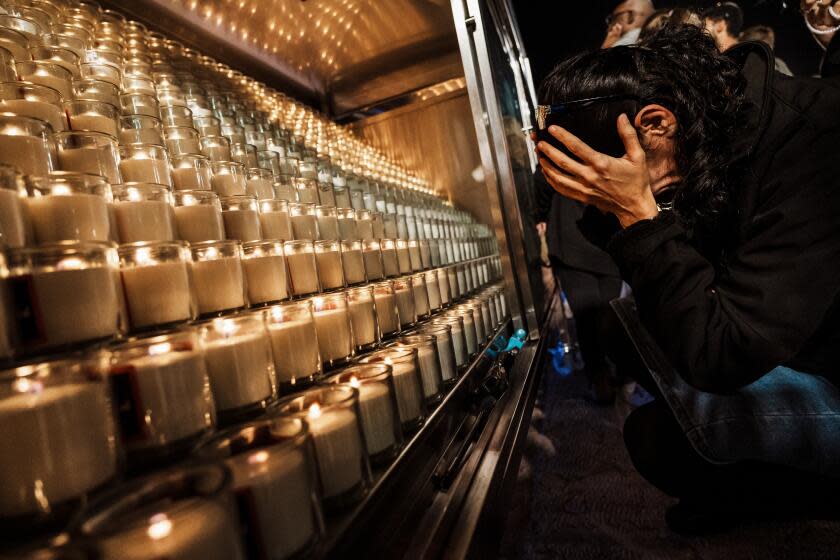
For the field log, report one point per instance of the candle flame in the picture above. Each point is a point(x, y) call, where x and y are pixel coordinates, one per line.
point(388, 361)
point(72, 263)
point(315, 411)
point(212, 253)
point(61, 190)
point(161, 348)
point(24, 385)
point(188, 200)
point(354, 382)
point(258, 457)
point(318, 303)
point(134, 195)
point(143, 256)
point(277, 314)
point(225, 327)
point(258, 252)
point(160, 527)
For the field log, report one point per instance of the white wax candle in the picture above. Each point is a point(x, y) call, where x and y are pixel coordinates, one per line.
point(377, 414)
point(12, 225)
point(421, 299)
point(334, 339)
point(186, 145)
point(403, 260)
point(425, 255)
point(328, 227)
point(274, 490)
point(143, 220)
point(266, 278)
point(405, 306)
point(71, 305)
point(365, 229)
point(347, 229)
point(157, 294)
point(408, 392)
point(330, 270)
point(162, 398)
point(429, 370)
point(295, 349)
point(354, 266)
point(240, 368)
point(390, 263)
point(227, 184)
point(469, 334)
point(218, 284)
point(243, 225)
point(363, 318)
point(27, 153)
point(94, 122)
point(142, 136)
point(305, 227)
point(186, 178)
point(443, 287)
point(338, 448)
point(191, 529)
point(94, 160)
point(302, 273)
point(453, 283)
point(217, 153)
point(446, 353)
point(373, 264)
point(459, 345)
point(479, 325)
point(386, 312)
point(201, 222)
point(78, 216)
point(414, 257)
point(434, 294)
point(261, 188)
point(37, 110)
point(145, 171)
point(56, 443)
point(276, 225)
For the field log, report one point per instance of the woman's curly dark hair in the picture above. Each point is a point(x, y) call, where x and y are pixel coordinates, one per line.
point(681, 68)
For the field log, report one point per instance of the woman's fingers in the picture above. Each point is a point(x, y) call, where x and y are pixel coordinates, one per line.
point(561, 160)
point(564, 184)
point(630, 139)
point(577, 146)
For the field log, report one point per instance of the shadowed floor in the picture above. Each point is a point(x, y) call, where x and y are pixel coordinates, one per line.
point(589, 503)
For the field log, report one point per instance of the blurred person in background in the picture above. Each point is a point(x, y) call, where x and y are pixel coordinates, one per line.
point(765, 34)
point(822, 17)
point(625, 22)
point(669, 16)
point(724, 21)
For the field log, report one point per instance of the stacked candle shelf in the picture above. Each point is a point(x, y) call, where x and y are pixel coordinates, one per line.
point(209, 295)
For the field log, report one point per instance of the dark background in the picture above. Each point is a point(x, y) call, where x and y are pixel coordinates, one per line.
point(555, 29)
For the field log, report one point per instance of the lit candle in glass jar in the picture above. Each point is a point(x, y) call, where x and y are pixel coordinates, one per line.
point(198, 216)
point(69, 206)
point(372, 254)
point(348, 230)
point(140, 129)
point(275, 221)
point(143, 212)
point(414, 255)
point(443, 287)
point(241, 216)
point(429, 363)
point(47, 74)
point(13, 228)
point(307, 190)
point(56, 421)
point(93, 116)
point(89, 152)
point(442, 334)
point(217, 148)
point(377, 224)
point(65, 294)
point(229, 178)
point(327, 223)
point(303, 271)
point(33, 101)
point(363, 317)
point(335, 335)
point(353, 262)
point(181, 140)
point(330, 269)
point(156, 282)
point(26, 144)
point(139, 104)
point(421, 296)
point(240, 365)
point(425, 253)
point(404, 296)
point(191, 172)
point(403, 257)
point(378, 408)
point(332, 414)
point(260, 183)
point(161, 392)
point(265, 271)
point(217, 276)
point(407, 385)
point(459, 343)
point(386, 309)
point(144, 163)
point(390, 261)
point(364, 225)
point(304, 222)
point(433, 290)
point(294, 342)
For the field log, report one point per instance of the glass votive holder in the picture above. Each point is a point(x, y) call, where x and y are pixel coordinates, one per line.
point(8, 73)
point(459, 342)
point(326, 195)
point(218, 277)
point(403, 256)
point(307, 190)
point(240, 366)
point(101, 71)
point(294, 342)
point(486, 317)
point(198, 215)
point(404, 296)
point(217, 148)
point(143, 212)
point(233, 132)
point(68, 206)
point(89, 152)
point(265, 272)
point(390, 260)
point(461, 275)
point(353, 262)
point(179, 513)
point(171, 97)
point(429, 363)
point(378, 407)
point(452, 279)
point(66, 294)
point(341, 194)
point(229, 178)
point(327, 222)
point(333, 416)
point(273, 467)
point(363, 316)
point(389, 222)
point(274, 219)
point(470, 334)
point(372, 255)
point(177, 116)
point(364, 225)
point(245, 154)
point(156, 281)
point(284, 189)
point(386, 309)
point(442, 333)
point(347, 227)
point(425, 254)
point(191, 172)
point(408, 387)
point(304, 220)
point(14, 223)
point(138, 84)
point(97, 90)
point(434, 249)
point(471, 276)
point(145, 163)
point(378, 225)
point(443, 287)
point(139, 104)
point(333, 324)
point(33, 101)
point(93, 116)
point(26, 144)
point(207, 126)
point(260, 183)
point(181, 140)
point(413, 254)
point(330, 269)
point(303, 270)
point(241, 217)
point(421, 296)
point(433, 290)
point(47, 74)
point(17, 44)
point(57, 442)
point(139, 129)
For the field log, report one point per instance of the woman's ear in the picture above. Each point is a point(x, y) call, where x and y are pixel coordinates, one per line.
point(655, 121)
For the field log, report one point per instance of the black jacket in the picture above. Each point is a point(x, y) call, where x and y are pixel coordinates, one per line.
point(565, 242)
point(775, 298)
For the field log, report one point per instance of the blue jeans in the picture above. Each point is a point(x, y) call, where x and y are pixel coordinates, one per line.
point(786, 417)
